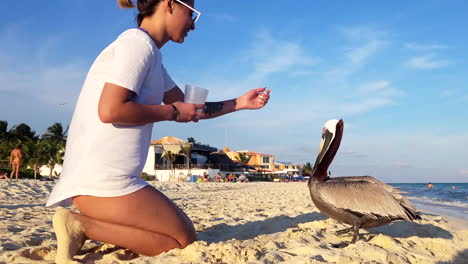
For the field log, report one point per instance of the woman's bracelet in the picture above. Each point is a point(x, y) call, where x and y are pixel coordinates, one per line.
point(175, 113)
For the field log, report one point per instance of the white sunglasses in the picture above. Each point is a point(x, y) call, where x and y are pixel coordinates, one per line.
point(195, 16)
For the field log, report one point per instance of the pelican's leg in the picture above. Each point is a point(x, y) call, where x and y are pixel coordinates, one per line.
point(356, 233)
point(344, 231)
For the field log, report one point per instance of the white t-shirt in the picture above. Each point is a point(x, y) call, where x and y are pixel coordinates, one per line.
point(106, 160)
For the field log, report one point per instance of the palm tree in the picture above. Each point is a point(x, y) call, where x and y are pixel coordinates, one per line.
point(186, 151)
point(53, 153)
point(307, 169)
point(170, 157)
point(3, 130)
point(56, 133)
point(34, 155)
point(22, 132)
point(192, 140)
point(243, 158)
point(7, 143)
point(5, 150)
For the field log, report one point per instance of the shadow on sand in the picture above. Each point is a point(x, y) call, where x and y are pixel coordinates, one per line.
point(461, 258)
point(17, 206)
point(96, 253)
point(224, 232)
point(409, 229)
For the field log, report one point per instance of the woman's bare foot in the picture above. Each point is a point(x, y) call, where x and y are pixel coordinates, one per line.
point(70, 235)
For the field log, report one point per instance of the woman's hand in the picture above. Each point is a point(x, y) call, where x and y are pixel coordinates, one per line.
point(188, 112)
point(253, 99)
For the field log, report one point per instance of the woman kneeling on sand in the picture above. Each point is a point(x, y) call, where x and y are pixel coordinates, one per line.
point(119, 102)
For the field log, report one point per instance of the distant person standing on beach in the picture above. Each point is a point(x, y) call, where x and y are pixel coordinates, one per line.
point(16, 156)
point(119, 102)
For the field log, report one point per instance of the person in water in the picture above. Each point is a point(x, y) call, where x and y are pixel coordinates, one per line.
point(118, 104)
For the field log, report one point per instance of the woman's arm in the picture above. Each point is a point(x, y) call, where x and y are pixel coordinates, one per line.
point(173, 95)
point(116, 106)
point(253, 99)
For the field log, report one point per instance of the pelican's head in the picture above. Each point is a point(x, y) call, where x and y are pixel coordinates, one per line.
point(332, 133)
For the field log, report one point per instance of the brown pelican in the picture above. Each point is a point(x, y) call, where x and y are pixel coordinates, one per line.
point(361, 201)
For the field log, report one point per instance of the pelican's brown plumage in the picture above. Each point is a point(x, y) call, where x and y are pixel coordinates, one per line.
point(361, 201)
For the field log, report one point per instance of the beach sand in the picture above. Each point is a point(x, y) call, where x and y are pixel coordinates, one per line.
point(237, 223)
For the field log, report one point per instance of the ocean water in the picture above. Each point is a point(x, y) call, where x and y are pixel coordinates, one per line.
point(442, 198)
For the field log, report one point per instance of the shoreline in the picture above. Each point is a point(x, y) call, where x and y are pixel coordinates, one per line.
point(254, 222)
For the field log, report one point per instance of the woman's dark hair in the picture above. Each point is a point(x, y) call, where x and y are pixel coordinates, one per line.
point(145, 8)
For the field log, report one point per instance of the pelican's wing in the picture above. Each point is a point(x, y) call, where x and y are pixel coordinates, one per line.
point(396, 193)
point(361, 197)
point(368, 179)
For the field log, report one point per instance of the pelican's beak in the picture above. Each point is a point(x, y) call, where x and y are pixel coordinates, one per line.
point(331, 138)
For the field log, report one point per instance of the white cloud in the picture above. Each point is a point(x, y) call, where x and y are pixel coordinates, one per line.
point(403, 164)
point(32, 72)
point(363, 106)
point(362, 33)
point(352, 154)
point(463, 172)
point(380, 88)
point(269, 55)
point(363, 43)
point(448, 93)
point(223, 17)
point(50, 84)
point(273, 55)
point(427, 62)
point(360, 54)
point(425, 47)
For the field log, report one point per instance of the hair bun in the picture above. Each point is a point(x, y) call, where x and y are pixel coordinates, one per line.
point(125, 3)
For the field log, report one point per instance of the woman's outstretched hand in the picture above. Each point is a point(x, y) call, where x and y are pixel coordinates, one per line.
point(253, 99)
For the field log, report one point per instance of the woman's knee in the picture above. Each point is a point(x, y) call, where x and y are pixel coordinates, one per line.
point(187, 238)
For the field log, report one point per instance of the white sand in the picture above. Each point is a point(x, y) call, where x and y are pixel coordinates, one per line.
point(236, 223)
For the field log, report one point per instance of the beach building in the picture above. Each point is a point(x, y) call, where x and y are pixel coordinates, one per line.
point(173, 159)
point(287, 168)
point(260, 164)
point(258, 160)
point(264, 165)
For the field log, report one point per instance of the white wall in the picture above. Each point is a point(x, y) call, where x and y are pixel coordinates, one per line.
point(149, 165)
point(182, 174)
point(45, 170)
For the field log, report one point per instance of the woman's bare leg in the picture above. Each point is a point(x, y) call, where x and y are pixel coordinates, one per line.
point(14, 170)
point(146, 221)
point(17, 167)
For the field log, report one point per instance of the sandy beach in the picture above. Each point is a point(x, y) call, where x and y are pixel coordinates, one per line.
point(237, 223)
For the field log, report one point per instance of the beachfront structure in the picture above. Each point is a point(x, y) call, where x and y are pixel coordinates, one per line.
point(264, 164)
point(173, 159)
point(261, 162)
point(169, 155)
point(170, 158)
point(287, 168)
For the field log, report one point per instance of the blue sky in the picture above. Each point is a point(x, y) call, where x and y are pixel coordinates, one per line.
point(396, 72)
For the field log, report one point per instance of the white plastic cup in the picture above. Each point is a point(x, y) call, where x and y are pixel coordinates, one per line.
point(195, 94)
